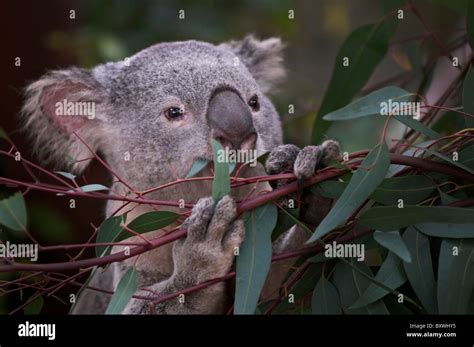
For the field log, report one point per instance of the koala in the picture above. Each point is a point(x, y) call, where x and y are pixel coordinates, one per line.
point(152, 116)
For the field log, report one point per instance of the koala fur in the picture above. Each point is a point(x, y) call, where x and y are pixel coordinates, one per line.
point(132, 97)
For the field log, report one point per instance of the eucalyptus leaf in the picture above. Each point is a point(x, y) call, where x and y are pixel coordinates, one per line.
point(198, 165)
point(383, 102)
point(420, 270)
point(410, 189)
point(151, 221)
point(466, 156)
point(221, 182)
point(253, 261)
point(364, 48)
point(351, 285)
point(393, 242)
point(448, 159)
point(370, 104)
point(304, 286)
point(66, 174)
point(325, 298)
point(109, 231)
point(389, 218)
point(286, 220)
point(456, 231)
point(455, 276)
point(112, 230)
point(13, 212)
point(391, 274)
point(126, 288)
point(364, 181)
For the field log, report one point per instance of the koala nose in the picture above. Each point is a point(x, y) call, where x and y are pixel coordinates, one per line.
point(231, 121)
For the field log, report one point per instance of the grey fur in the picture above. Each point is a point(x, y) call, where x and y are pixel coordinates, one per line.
point(131, 98)
point(205, 254)
point(304, 162)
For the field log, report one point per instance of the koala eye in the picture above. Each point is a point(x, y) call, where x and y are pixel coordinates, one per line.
point(254, 103)
point(174, 113)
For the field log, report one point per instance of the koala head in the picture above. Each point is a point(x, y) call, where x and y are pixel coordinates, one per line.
point(153, 114)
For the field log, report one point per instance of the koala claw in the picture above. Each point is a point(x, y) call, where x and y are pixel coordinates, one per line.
point(331, 150)
point(304, 162)
point(208, 250)
point(281, 159)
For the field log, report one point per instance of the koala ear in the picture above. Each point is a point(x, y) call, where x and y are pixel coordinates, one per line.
point(263, 58)
point(60, 105)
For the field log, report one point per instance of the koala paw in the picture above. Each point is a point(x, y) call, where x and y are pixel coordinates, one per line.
point(213, 234)
point(304, 162)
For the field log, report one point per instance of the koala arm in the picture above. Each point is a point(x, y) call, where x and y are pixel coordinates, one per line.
point(206, 253)
point(303, 162)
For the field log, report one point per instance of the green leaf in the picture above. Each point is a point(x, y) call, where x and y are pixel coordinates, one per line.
point(254, 259)
point(411, 189)
point(420, 270)
point(66, 174)
point(151, 221)
point(468, 86)
point(109, 231)
point(392, 241)
point(88, 188)
point(34, 307)
point(304, 286)
point(329, 189)
point(466, 156)
point(365, 47)
point(390, 274)
point(221, 182)
point(371, 105)
point(364, 181)
point(392, 218)
point(456, 231)
point(417, 126)
point(198, 165)
point(125, 289)
point(412, 152)
point(93, 188)
point(325, 298)
point(351, 284)
point(286, 219)
point(455, 276)
point(448, 159)
point(13, 212)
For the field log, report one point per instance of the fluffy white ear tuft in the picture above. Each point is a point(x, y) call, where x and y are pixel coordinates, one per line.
point(263, 58)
